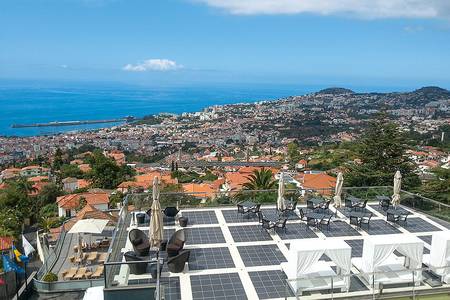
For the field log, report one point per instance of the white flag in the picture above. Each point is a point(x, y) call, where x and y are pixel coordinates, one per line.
point(27, 246)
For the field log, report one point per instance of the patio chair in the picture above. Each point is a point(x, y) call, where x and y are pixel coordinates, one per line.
point(136, 268)
point(325, 221)
point(348, 204)
point(362, 205)
point(80, 274)
point(302, 215)
point(402, 218)
point(176, 264)
point(255, 209)
point(309, 205)
point(260, 217)
point(292, 206)
point(242, 210)
point(325, 206)
point(170, 211)
point(102, 258)
point(267, 225)
point(365, 220)
point(280, 224)
point(98, 272)
point(176, 243)
point(68, 274)
point(140, 242)
point(385, 205)
point(92, 256)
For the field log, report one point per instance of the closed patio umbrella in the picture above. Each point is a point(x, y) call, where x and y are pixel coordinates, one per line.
point(338, 190)
point(156, 219)
point(280, 200)
point(397, 186)
point(156, 231)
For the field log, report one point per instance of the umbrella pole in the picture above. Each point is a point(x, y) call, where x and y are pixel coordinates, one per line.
point(157, 276)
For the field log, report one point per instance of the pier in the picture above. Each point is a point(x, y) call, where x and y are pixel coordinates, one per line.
point(74, 123)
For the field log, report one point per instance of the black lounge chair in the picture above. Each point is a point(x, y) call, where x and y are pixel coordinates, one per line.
point(136, 268)
point(140, 242)
point(170, 211)
point(176, 263)
point(325, 221)
point(176, 243)
point(280, 224)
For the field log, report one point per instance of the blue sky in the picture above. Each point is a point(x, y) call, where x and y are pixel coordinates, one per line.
point(170, 42)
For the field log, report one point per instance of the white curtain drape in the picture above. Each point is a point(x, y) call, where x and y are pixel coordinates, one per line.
point(342, 259)
point(305, 259)
point(374, 255)
point(440, 252)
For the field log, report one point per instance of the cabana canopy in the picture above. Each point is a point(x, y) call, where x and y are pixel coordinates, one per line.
point(303, 258)
point(439, 257)
point(440, 249)
point(377, 249)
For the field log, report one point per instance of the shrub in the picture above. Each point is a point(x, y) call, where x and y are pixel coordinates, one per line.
point(50, 277)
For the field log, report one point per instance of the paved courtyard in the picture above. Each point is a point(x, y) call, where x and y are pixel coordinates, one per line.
point(232, 257)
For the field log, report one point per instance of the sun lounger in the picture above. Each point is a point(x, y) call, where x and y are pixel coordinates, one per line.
point(80, 273)
point(98, 272)
point(92, 256)
point(70, 273)
point(102, 258)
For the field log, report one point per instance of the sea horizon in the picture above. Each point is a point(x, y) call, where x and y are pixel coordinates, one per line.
point(43, 102)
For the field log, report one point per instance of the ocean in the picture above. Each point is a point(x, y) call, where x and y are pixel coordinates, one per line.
point(42, 103)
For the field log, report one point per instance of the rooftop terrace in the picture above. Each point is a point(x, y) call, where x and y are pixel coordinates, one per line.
point(233, 257)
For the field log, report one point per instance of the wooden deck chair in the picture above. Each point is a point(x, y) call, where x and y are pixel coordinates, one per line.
point(70, 273)
point(98, 272)
point(102, 258)
point(92, 256)
point(80, 274)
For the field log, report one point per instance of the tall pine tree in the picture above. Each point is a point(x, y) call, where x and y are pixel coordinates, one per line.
point(382, 151)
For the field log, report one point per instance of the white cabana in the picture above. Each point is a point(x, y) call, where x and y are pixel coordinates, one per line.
point(439, 257)
point(378, 256)
point(309, 273)
point(280, 200)
point(397, 187)
point(338, 190)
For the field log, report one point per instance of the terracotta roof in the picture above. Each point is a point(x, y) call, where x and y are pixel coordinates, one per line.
point(236, 179)
point(73, 200)
point(131, 184)
point(319, 181)
point(204, 188)
point(84, 168)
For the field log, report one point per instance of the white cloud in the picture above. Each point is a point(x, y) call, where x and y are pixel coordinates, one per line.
point(413, 29)
point(371, 9)
point(153, 65)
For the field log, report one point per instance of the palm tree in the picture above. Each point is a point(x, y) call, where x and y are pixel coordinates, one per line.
point(260, 180)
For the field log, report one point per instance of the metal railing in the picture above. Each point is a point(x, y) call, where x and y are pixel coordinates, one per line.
point(52, 258)
point(375, 285)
